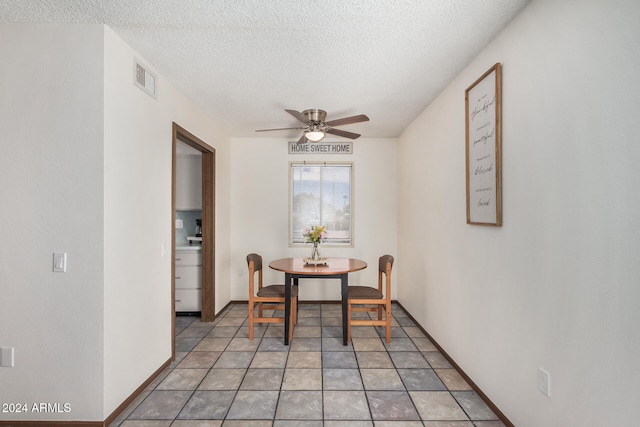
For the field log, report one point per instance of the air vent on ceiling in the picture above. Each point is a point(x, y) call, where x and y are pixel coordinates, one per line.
point(144, 79)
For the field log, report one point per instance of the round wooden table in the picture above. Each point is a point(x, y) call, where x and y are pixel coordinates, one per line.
point(335, 268)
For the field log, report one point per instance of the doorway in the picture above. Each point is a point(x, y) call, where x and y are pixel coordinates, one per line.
point(207, 313)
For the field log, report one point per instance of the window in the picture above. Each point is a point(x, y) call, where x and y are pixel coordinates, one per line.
point(321, 195)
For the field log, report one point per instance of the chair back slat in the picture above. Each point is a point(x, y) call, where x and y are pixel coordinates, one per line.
point(254, 261)
point(257, 261)
point(383, 261)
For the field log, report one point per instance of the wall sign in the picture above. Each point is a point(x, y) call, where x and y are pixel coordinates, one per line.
point(345, 147)
point(483, 104)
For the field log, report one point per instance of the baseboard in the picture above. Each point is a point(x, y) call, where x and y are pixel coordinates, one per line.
point(124, 405)
point(111, 418)
point(52, 423)
point(466, 377)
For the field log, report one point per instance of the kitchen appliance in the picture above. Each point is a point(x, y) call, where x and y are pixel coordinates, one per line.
point(198, 234)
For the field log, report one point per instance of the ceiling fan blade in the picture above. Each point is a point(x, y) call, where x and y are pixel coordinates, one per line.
point(267, 130)
point(343, 133)
point(302, 140)
point(348, 120)
point(298, 115)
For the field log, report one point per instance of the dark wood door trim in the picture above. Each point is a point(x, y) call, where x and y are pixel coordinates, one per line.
point(208, 225)
point(208, 236)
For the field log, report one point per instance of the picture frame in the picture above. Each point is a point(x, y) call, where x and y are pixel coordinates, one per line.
point(483, 121)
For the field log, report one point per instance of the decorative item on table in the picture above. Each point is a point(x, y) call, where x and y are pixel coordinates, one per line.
point(315, 234)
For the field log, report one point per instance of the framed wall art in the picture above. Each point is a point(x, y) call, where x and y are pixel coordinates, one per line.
point(483, 104)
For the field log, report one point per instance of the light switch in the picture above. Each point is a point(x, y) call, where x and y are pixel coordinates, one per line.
point(179, 223)
point(6, 357)
point(60, 262)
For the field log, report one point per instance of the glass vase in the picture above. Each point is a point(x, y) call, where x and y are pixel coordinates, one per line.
point(315, 252)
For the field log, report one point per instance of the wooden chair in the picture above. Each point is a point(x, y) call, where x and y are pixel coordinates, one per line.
point(362, 298)
point(267, 297)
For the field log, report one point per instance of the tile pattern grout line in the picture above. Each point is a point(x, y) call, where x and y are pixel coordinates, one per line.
point(415, 368)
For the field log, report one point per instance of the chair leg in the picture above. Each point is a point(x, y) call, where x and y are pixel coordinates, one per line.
point(250, 320)
point(292, 317)
point(294, 311)
point(348, 321)
point(388, 323)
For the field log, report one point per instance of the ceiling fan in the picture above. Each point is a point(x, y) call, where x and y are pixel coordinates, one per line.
point(315, 127)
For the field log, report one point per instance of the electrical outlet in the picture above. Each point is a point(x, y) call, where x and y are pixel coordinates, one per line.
point(179, 223)
point(544, 382)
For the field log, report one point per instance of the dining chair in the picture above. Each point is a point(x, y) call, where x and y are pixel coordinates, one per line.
point(267, 297)
point(371, 300)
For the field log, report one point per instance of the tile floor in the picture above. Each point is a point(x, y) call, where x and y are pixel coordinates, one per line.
point(221, 378)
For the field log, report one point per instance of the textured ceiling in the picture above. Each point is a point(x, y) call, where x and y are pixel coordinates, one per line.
point(245, 61)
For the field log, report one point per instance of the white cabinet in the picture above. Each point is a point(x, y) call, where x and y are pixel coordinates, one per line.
point(188, 182)
point(188, 280)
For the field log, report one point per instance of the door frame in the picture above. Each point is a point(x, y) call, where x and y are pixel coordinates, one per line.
point(207, 313)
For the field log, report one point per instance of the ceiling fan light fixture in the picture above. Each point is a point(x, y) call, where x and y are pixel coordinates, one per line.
point(315, 126)
point(314, 135)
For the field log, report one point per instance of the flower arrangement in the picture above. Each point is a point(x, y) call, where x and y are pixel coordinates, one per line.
point(315, 233)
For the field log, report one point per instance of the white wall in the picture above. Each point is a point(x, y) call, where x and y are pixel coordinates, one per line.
point(259, 208)
point(51, 121)
point(86, 169)
point(557, 285)
point(138, 137)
